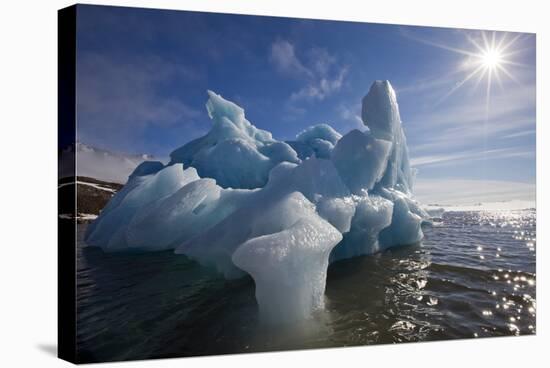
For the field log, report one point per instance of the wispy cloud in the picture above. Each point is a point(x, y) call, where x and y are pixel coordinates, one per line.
point(465, 123)
point(320, 88)
point(469, 156)
point(429, 84)
point(473, 110)
point(285, 60)
point(120, 99)
point(350, 115)
point(464, 119)
point(321, 72)
point(520, 134)
point(125, 90)
point(461, 191)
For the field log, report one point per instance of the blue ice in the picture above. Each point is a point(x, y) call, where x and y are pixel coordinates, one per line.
point(242, 202)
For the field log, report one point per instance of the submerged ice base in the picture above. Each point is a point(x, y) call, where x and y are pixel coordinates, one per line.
point(242, 202)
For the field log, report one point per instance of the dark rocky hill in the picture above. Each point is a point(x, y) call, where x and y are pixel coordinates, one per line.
point(91, 196)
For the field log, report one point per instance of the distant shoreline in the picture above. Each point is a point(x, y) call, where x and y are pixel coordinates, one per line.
point(513, 205)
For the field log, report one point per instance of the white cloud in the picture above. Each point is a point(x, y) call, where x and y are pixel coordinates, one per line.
point(520, 134)
point(454, 158)
point(464, 124)
point(321, 60)
point(319, 89)
point(322, 74)
point(125, 90)
point(427, 85)
point(351, 116)
point(118, 99)
point(285, 60)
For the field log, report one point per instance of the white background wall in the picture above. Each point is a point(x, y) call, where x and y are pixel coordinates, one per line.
point(28, 119)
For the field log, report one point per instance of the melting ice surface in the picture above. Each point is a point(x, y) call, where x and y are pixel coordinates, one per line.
point(243, 202)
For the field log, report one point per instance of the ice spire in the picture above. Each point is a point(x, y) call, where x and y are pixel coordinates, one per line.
point(380, 113)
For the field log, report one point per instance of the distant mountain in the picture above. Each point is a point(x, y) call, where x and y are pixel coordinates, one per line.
point(100, 164)
point(99, 175)
point(91, 195)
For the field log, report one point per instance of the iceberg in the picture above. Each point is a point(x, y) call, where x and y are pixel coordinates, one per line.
point(361, 160)
point(289, 266)
point(234, 152)
point(315, 179)
point(244, 203)
point(404, 227)
point(315, 141)
point(380, 113)
point(372, 214)
point(109, 230)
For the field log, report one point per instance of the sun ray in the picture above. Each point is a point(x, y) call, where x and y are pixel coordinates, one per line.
point(480, 78)
point(488, 95)
point(474, 42)
point(460, 84)
point(503, 69)
point(485, 40)
point(510, 62)
point(441, 46)
point(515, 52)
point(454, 49)
point(501, 41)
point(510, 43)
point(488, 60)
point(497, 77)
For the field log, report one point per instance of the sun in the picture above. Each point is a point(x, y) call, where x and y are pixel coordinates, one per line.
point(491, 59)
point(493, 55)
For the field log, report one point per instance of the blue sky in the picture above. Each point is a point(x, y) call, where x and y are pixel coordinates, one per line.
point(143, 74)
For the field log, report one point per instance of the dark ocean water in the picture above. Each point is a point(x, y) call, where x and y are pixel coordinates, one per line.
point(473, 275)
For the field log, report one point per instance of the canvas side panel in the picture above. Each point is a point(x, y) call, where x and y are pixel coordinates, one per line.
point(67, 184)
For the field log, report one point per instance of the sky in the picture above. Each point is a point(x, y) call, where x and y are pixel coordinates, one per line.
point(142, 77)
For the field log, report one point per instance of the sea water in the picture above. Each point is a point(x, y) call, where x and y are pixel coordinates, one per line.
point(472, 276)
